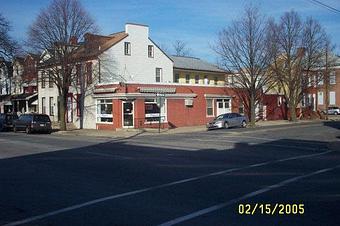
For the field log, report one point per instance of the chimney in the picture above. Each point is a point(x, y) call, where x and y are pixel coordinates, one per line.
point(73, 40)
point(137, 30)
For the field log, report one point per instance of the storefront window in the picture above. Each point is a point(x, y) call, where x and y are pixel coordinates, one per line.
point(104, 110)
point(153, 108)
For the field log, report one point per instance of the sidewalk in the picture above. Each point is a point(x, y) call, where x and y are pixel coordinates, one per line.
point(127, 133)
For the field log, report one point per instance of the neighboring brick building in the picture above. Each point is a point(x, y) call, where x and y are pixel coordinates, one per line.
point(24, 84)
point(315, 97)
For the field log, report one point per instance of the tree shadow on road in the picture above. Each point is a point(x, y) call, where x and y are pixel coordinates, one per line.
point(49, 181)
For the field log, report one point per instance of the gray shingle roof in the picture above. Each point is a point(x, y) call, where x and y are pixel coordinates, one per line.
point(192, 63)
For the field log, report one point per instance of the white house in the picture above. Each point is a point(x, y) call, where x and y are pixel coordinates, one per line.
point(124, 57)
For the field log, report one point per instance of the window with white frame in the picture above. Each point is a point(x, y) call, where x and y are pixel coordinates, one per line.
point(51, 104)
point(176, 80)
point(332, 79)
point(154, 108)
point(197, 79)
point(320, 79)
point(331, 98)
point(210, 107)
point(104, 111)
point(43, 79)
point(320, 98)
point(158, 74)
point(43, 105)
point(187, 78)
point(150, 51)
point(206, 80)
point(215, 81)
point(127, 48)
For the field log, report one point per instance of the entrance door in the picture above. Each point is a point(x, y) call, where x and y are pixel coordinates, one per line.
point(128, 114)
point(223, 106)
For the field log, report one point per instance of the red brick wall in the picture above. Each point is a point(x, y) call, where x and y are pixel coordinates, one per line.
point(274, 111)
point(105, 126)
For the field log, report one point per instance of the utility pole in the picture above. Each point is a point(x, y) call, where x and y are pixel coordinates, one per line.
point(326, 80)
point(82, 95)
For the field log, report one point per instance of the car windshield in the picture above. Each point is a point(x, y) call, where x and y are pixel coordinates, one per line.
point(41, 118)
point(219, 117)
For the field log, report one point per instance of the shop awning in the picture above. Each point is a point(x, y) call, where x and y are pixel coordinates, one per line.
point(24, 96)
point(157, 90)
point(105, 90)
point(35, 102)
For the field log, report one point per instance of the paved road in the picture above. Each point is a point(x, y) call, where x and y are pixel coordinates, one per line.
point(202, 178)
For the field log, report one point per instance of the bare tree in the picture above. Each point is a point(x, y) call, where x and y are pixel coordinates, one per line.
point(180, 48)
point(243, 51)
point(297, 51)
point(8, 46)
point(104, 70)
point(54, 27)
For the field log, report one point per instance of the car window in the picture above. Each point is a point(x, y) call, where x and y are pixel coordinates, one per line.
point(41, 118)
point(228, 116)
point(22, 117)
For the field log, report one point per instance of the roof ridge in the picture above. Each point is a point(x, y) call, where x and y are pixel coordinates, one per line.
point(187, 57)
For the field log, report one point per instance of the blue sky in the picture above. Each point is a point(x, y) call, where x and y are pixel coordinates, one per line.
point(195, 22)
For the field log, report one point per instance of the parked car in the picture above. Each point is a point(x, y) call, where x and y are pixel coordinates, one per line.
point(228, 120)
point(333, 111)
point(33, 123)
point(6, 121)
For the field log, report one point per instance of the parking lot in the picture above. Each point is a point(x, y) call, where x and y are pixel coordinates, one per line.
point(199, 178)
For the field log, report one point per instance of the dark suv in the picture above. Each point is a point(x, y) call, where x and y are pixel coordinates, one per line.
point(6, 121)
point(33, 123)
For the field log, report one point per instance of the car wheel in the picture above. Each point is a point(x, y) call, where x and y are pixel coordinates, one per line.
point(226, 125)
point(244, 124)
point(28, 130)
point(15, 129)
point(336, 113)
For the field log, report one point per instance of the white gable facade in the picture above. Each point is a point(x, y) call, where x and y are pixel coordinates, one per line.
point(138, 65)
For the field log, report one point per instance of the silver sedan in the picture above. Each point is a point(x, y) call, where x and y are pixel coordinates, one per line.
point(228, 120)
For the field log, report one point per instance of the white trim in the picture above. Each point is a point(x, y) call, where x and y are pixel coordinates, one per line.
point(143, 95)
point(161, 83)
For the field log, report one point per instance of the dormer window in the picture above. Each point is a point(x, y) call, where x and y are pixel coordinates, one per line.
point(127, 48)
point(150, 51)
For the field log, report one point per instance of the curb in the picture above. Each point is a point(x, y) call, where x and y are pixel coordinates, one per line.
point(128, 134)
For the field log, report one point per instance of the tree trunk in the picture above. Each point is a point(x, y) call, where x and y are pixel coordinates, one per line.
point(292, 110)
point(62, 112)
point(252, 111)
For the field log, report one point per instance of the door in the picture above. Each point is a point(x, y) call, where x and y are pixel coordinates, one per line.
point(223, 106)
point(128, 115)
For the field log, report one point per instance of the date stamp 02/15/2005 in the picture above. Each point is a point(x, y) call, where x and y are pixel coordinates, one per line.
point(271, 209)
